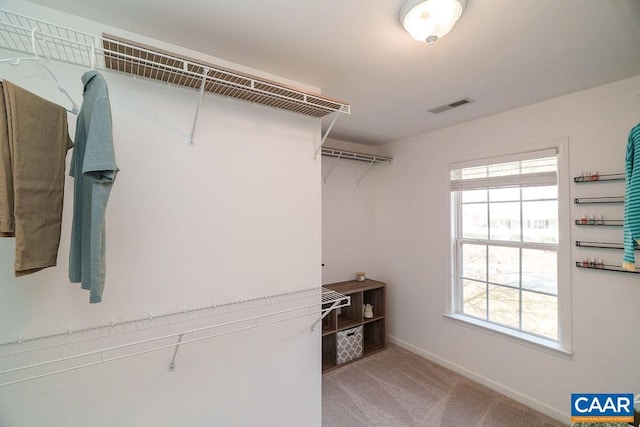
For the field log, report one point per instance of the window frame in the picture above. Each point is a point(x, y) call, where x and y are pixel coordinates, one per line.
point(453, 310)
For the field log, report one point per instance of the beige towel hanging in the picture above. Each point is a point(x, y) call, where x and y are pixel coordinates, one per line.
point(7, 228)
point(36, 137)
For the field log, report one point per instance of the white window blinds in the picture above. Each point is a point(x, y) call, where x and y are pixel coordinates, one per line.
point(536, 168)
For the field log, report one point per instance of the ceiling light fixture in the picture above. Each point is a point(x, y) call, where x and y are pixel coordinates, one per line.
point(430, 20)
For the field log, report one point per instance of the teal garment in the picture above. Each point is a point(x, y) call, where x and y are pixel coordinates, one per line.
point(632, 198)
point(93, 166)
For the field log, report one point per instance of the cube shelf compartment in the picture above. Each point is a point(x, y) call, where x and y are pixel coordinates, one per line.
point(373, 329)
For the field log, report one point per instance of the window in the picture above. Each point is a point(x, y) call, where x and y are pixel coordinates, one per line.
point(505, 245)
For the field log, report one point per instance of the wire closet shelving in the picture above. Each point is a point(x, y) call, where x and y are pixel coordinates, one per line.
point(29, 359)
point(54, 42)
point(337, 154)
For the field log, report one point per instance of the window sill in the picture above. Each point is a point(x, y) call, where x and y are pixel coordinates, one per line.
point(531, 341)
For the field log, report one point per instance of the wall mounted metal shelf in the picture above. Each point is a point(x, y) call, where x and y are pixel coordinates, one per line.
point(29, 359)
point(608, 199)
point(601, 178)
point(606, 267)
point(601, 245)
point(352, 155)
point(55, 42)
point(601, 222)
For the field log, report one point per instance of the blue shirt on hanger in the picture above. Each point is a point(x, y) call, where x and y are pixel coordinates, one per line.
point(94, 169)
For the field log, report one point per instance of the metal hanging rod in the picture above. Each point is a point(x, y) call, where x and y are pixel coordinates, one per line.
point(607, 267)
point(608, 199)
point(64, 44)
point(25, 360)
point(599, 178)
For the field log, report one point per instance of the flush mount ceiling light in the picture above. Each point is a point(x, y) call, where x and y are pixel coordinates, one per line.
point(430, 20)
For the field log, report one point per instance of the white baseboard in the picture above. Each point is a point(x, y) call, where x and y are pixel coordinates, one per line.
point(500, 388)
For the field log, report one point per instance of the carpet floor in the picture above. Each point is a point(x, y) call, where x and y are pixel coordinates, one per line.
point(398, 388)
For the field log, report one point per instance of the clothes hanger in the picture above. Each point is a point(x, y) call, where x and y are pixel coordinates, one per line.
point(34, 57)
point(38, 60)
point(93, 55)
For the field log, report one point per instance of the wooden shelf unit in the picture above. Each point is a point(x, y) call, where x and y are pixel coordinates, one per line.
point(374, 329)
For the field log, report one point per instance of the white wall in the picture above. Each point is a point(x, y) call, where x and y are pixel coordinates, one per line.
point(236, 216)
point(412, 239)
point(347, 215)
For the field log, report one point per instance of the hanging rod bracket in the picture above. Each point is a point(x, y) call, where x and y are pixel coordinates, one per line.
point(366, 171)
point(172, 364)
point(205, 72)
point(330, 301)
point(324, 137)
point(325, 312)
point(332, 166)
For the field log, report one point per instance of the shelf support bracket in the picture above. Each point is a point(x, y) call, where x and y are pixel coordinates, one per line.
point(205, 73)
point(324, 137)
point(366, 171)
point(332, 166)
point(172, 365)
point(325, 312)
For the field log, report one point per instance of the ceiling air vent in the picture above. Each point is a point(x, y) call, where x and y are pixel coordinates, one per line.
point(447, 107)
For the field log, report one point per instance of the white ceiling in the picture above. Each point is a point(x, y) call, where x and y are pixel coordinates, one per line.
point(502, 53)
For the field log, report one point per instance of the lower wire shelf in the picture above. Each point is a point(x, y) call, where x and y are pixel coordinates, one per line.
point(33, 358)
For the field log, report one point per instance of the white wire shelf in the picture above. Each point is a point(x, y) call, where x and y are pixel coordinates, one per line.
point(141, 60)
point(110, 52)
point(331, 297)
point(352, 155)
point(33, 358)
